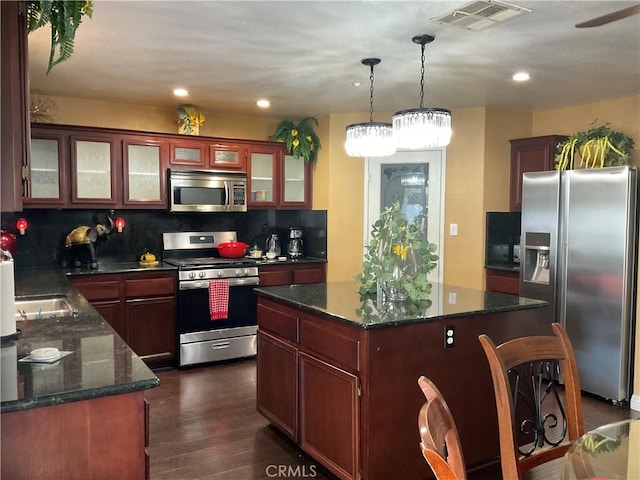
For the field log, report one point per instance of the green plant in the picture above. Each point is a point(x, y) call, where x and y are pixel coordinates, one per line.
point(190, 117)
point(64, 17)
point(300, 139)
point(398, 247)
point(597, 147)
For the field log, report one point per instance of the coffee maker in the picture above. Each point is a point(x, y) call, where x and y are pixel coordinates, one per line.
point(295, 248)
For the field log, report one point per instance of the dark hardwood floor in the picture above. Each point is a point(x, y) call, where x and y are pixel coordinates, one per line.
point(204, 425)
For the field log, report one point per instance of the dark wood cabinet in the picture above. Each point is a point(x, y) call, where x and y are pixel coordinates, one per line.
point(276, 179)
point(304, 369)
point(287, 274)
point(88, 167)
point(278, 383)
point(14, 103)
point(141, 308)
point(502, 281)
point(532, 154)
point(100, 438)
point(332, 437)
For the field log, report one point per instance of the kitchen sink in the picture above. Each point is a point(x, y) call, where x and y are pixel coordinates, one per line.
point(43, 306)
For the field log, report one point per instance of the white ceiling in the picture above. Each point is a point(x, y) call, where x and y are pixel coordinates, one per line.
point(305, 55)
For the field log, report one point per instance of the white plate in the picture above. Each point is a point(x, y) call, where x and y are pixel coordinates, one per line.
point(48, 353)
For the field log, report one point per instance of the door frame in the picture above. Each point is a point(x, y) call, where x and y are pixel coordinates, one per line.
point(369, 195)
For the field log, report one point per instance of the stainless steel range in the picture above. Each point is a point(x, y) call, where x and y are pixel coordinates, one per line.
point(201, 339)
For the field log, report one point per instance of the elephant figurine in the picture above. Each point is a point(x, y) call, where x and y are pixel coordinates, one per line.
point(86, 237)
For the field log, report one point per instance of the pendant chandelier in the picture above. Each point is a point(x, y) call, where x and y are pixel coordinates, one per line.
point(421, 128)
point(372, 139)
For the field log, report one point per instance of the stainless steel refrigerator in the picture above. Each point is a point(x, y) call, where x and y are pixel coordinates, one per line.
point(579, 252)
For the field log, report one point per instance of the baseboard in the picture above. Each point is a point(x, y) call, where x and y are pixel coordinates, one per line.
point(635, 403)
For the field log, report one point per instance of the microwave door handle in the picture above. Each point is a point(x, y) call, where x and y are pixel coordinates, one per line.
point(226, 193)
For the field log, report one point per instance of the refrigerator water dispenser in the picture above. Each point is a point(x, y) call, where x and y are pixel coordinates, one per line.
point(535, 268)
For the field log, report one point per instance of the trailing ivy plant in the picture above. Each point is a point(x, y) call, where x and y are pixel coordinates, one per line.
point(300, 138)
point(64, 17)
point(597, 147)
point(393, 240)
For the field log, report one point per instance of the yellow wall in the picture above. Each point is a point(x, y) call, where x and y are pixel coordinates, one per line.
point(622, 113)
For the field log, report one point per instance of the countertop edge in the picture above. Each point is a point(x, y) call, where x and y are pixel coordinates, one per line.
point(265, 292)
point(70, 397)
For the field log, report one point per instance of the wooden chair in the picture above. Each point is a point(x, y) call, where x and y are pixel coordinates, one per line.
point(439, 437)
point(535, 425)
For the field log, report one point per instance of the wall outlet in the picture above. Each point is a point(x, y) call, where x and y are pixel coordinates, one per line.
point(449, 337)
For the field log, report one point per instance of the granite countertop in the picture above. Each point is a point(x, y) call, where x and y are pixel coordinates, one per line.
point(100, 364)
point(342, 301)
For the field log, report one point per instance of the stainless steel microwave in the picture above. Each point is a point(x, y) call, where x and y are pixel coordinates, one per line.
point(207, 191)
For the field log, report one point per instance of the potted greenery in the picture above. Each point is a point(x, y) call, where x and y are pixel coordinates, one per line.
point(300, 138)
point(398, 259)
point(64, 17)
point(596, 147)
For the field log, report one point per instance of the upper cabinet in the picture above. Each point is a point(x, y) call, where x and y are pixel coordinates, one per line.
point(195, 153)
point(88, 167)
point(277, 180)
point(144, 172)
point(93, 169)
point(532, 154)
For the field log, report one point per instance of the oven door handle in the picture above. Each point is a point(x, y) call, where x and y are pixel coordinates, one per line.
point(233, 282)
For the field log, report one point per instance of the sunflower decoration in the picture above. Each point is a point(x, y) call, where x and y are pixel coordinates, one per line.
point(300, 139)
point(189, 119)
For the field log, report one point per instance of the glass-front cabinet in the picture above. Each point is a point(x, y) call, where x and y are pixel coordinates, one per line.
point(144, 175)
point(93, 167)
point(277, 179)
point(188, 153)
point(227, 155)
point(263, 171)
point(295, 182)
point(47, 179)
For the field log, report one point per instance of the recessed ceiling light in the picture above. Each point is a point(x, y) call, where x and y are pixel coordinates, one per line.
point(521, 77)
point(180, 92)
point(263, 103)
point(357, 84)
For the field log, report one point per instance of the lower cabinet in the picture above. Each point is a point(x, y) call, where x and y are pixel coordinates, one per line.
point(101, 438)
point(313, 398)
point(141, 308)
point(278, 383)
point(288, 273)
point(329, 415)
point(502, 281)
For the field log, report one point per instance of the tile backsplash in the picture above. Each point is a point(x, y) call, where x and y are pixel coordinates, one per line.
point(43, 242)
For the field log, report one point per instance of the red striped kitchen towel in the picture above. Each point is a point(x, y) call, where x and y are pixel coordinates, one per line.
point(218, 299)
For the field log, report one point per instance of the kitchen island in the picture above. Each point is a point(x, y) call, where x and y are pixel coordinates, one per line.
point(82, 416)
point(337, 373)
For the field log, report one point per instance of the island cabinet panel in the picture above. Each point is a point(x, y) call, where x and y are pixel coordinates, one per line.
point(340, 346)
point(89, 439)
point(358, 396)
point(329, 416)
point(279, 319)
point(278, 383)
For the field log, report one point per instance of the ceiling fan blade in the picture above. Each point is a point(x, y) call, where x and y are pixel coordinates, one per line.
point(611, 17)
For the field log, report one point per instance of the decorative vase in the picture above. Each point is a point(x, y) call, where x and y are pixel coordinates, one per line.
point(398, 268)
point(183, 129)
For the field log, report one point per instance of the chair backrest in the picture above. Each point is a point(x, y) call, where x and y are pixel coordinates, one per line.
point(535, 424)
point(439, 437)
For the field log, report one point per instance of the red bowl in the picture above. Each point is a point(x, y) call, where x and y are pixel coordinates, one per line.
point(232, 249)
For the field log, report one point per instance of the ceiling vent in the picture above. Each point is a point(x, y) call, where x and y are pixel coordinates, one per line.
point(479, 15)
